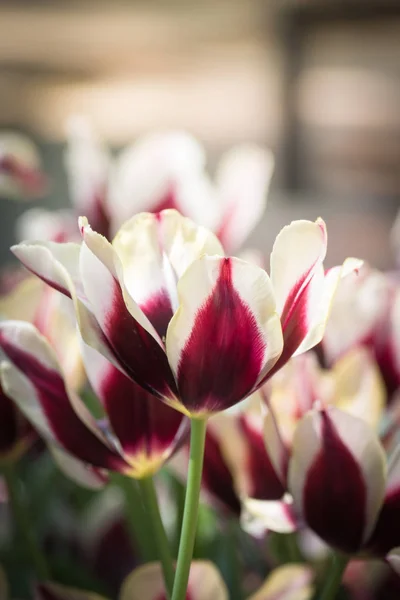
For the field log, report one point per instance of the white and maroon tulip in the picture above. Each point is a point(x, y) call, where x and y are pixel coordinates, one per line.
point(341, 485)
point(353, 384)
point(158, 299)
point(138, 434)
point(21, 176)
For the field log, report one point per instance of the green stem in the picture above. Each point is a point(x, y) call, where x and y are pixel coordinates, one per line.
point(23, 522)
point(332, 583)
point(136, 517)
point(197, 440)
point(160, 537)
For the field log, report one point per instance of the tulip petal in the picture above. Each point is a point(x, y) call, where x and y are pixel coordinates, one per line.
point(275, 515)
point(359, 388)
point(132, 338)
point(337, 477)
point(290, 582)
point(393, 558)
point(34, 382)
point(148, 430)
point(55, 591)
point(243, 179)
point(78, 471)
point(155, 250)
point(225, 334)
point(320, 304)
point(146, 583)
point(58, 266)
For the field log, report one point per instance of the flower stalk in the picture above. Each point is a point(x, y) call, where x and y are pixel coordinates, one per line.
point(157, 527)
point(197, 442)
point(334, 578)
point(23, 522)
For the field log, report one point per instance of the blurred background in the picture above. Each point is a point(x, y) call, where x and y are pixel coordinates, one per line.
point(318, 82)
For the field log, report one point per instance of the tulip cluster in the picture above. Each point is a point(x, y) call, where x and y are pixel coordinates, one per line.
point(273, 393)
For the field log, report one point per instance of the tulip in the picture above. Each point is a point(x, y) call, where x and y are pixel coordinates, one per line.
point(353, 384)
point(366, 312)
point(110, 192)
point(20, 173)
point(138, 435)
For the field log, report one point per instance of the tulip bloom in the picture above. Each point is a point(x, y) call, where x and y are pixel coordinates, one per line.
point(20, 173)
point(366, 312)
point(138, 433)
point(196, 329)
point(354, 384)
point(109, 192)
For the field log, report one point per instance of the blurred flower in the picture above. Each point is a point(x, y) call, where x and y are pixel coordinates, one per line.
point(156, 300)
point(395, 238)
point(366, 312)
point(353, 384)
point(146, 583)
point(138, 435)
point(20, 172)
point(342, 487)
point(290, 582)
point(108, 192)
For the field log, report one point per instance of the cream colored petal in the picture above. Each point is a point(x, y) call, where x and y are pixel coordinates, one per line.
point(78, 471)
point(47, 225)
point(320, 306)
point(242, 180)
point(259, 516)
point(146, 583)
point(290, 582)
point(22, 302)
point(358, 386)
point(393, 558)
point(298, 250)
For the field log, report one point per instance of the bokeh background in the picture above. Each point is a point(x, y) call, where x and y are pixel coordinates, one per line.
point(318, 82)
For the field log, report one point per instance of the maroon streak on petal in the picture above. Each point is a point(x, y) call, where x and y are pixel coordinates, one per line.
point(265, 482)
point(294, 321)
point(159, 311)
point(335, 496)
point(71, 433)
point(141, 422)
point(168, 200)
point(223, 356)
point(217, 478)
point(97, 214)
point(140, 355)
point(386, 534)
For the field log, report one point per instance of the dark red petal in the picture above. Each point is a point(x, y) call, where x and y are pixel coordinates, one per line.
point(335, 496)
point(386, 534)
point(137, 351)
point(159, 312)
point(265, 483)
point(222, 358)
point(71, 433)
point(141, 422)
point(217, 478)
point(97, 214)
